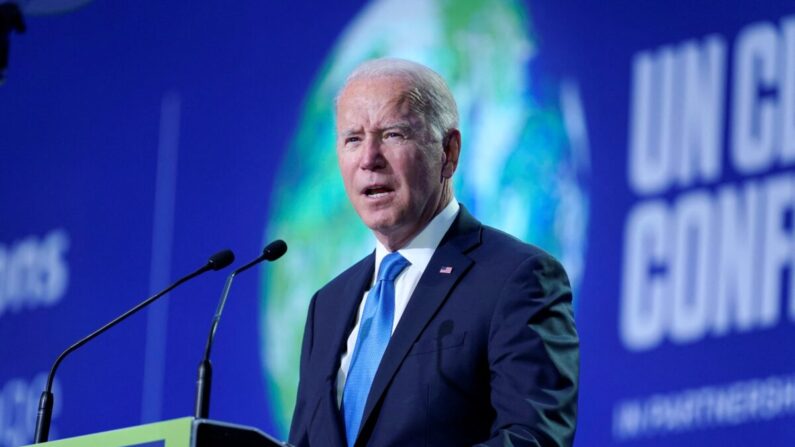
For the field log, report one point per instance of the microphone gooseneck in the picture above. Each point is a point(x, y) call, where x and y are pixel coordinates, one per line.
point(271, 252)
point(44, 415)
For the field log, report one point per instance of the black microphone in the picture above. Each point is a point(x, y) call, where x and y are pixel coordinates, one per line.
point(216, 262)
point(271, 252)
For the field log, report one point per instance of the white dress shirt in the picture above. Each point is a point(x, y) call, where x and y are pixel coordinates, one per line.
point(418, 252)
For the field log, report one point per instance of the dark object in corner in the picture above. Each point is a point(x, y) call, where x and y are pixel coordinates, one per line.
point(10, 19)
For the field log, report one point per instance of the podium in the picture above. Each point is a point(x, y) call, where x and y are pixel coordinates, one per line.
point(182, 432)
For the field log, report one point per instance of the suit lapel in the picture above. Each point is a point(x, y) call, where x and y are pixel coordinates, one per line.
point(349, 297)
point(327, 426)
point(432, 290)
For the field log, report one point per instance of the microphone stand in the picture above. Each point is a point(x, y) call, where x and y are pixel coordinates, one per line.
point(44, 414)
point(272, 252)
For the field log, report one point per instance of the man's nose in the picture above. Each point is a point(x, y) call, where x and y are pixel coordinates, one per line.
point(372, 155)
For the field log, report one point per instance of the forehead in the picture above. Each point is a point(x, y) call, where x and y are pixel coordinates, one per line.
point(377, 98)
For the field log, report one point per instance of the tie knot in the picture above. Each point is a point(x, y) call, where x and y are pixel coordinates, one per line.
point(391, 266)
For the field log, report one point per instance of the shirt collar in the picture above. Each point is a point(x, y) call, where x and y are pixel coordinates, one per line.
point(420, 250)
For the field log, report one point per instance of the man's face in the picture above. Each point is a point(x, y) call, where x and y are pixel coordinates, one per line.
point(391, 161)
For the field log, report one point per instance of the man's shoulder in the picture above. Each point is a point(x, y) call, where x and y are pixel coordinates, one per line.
point(498, 255)
point(492, 242)
point(495, 242)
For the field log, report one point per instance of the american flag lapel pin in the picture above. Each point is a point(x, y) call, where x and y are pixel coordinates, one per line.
point(446, 270)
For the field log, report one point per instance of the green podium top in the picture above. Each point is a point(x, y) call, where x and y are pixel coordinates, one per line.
point(182, 432)
point(173, 433)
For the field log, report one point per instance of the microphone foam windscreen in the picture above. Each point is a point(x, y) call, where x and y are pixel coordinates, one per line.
point(275, 250)
point(221, 259)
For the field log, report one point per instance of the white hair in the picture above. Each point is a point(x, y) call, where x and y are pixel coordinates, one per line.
point(429, 92)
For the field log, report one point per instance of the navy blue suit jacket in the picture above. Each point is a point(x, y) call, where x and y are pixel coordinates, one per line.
point(486, 354)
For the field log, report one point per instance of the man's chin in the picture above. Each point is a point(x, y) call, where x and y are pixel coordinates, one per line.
point(382, 223)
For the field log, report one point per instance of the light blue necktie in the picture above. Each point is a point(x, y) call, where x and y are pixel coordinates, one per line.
point(374, 332)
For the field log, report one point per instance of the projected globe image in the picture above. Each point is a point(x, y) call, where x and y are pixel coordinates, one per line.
point(523, 161)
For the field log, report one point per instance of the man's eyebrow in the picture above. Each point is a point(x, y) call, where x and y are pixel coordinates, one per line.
point(402, 125)
point(349, 132)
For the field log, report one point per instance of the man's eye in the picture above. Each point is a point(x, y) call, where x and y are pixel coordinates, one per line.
point(391, 135)
point(349, 140)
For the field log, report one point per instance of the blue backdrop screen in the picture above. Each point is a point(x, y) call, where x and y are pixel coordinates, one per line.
point(649, 146)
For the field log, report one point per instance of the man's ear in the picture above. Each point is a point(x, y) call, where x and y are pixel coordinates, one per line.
point(452, 149)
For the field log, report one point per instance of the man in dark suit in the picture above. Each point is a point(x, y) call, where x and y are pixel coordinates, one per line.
point(451, 332)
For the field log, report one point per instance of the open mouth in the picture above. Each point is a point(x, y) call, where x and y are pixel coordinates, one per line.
point(377, 191)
